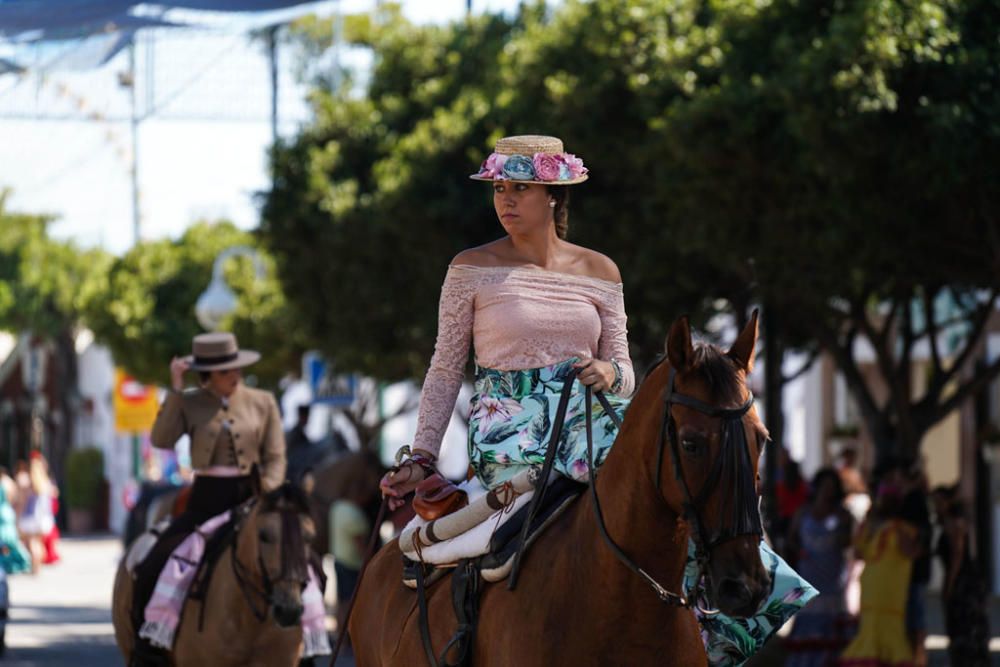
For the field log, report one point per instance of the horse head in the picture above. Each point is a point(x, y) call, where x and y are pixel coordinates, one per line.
point(280, 530)
point(709, 443)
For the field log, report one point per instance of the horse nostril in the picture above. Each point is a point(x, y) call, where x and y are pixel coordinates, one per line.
point(288, 616)
point(734, 592)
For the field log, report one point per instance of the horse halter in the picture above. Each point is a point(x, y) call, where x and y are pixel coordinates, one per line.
point(292, 569)
point(732, 468)
point(737, 471)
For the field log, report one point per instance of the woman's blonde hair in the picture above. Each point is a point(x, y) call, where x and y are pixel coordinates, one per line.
point(39, 476)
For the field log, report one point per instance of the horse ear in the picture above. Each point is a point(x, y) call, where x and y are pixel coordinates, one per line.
point(680, 352)
point(742, 351)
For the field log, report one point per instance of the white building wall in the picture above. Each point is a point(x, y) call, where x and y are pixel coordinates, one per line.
point(803, 407)
point(96, 427)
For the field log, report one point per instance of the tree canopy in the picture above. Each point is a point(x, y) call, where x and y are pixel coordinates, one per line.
point(44, 284)
point(145, 313)
point(832, 161)
point(843, 155)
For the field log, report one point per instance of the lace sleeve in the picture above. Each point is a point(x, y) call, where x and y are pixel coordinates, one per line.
point(451, 353)
point(613, 343)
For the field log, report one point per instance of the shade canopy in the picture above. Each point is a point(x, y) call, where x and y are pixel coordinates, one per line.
point(34, 20)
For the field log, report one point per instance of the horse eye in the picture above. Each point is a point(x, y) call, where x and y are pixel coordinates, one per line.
point(264, 536)
point(690, 446)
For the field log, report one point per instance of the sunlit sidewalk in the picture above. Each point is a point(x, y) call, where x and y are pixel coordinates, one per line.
point(62, 615)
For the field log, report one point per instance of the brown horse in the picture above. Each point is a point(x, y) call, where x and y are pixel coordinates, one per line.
point(254, 601)
point(576, 603)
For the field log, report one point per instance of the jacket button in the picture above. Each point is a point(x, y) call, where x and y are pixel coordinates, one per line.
point(236, 435)
point(240, 452)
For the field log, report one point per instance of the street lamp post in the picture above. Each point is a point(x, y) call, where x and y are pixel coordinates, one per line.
point(218, 301)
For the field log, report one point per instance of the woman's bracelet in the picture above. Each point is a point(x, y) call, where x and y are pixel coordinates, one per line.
point(407, 455)
point(619, 381)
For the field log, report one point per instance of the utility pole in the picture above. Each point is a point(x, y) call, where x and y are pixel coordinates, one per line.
point(134, 126)
point(272, 55)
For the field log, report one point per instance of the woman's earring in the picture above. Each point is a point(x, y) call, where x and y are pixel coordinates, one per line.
point(552, 204)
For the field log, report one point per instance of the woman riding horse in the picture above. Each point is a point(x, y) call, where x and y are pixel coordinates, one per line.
point(537, 309)
point(232, 428)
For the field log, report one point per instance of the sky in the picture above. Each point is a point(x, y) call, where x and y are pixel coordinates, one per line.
point(201, 152)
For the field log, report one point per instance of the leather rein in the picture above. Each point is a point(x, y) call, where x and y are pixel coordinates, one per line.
point(244, 575)
point(668, 434)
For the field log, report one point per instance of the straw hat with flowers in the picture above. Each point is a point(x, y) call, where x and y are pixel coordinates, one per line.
point(532, 159)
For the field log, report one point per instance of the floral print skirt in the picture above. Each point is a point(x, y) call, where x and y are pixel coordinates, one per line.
point(512, 417)
point(509, 429)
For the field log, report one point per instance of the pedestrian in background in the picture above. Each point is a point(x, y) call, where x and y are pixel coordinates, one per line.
point(791, 493)
point(300, 448)
point(915, 510)
point(819, 537)
point(36, 519)
point(888, 545)
point(964, 595)
point(356, 489)
point(50, 541)
point(856, 498)
point(14, 557)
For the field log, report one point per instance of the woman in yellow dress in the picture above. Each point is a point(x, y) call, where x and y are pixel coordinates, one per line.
point(887, 545)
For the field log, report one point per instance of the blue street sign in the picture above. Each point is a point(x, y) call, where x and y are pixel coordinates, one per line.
point(327, 387)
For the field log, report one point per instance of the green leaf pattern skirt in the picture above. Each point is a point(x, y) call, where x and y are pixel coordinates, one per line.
point(509, 429)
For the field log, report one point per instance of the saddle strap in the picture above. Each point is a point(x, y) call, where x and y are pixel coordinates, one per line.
point(466, 585)
point(465, 588)
point(422, 621)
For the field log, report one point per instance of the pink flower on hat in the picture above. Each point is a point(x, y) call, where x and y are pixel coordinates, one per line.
point(571, 166)
point(493, 166)
point(546, 166)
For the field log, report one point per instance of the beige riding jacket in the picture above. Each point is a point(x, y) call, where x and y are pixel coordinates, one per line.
point(251, 417)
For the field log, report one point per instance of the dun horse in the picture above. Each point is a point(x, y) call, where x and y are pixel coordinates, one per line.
point(576, 603)
point(254, 600)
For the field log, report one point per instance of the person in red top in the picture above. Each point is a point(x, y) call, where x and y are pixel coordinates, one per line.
point(791, 492)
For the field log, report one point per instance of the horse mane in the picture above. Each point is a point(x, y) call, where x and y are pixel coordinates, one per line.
point(286, 494)
point(290, 496)
point(719, 372)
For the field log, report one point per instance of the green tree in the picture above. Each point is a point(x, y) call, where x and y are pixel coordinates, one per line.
point(831, 161)
point(844, 155)
point(145, 313)
point(371, 201)
point(45, 286)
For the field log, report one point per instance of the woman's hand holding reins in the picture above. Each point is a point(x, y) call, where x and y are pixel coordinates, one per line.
point(596, 374)
point(403, 479)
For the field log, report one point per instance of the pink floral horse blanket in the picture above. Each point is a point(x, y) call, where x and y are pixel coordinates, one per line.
point(162, 614)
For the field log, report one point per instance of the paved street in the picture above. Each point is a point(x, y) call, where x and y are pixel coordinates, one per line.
point(62, 616)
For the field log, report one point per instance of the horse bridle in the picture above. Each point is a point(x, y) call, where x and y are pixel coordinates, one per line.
point(734, 438)
point(294, 572)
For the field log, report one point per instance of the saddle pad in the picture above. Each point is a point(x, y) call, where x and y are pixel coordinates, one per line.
point(468, 544)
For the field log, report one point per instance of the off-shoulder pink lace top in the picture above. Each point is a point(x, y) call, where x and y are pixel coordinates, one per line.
point(517, 317)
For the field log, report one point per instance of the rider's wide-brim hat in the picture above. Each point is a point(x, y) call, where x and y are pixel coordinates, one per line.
point(219, 352)
point(532, 158)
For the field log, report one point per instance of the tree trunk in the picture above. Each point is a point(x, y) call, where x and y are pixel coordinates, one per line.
point(66, 391)
point(774, 386)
